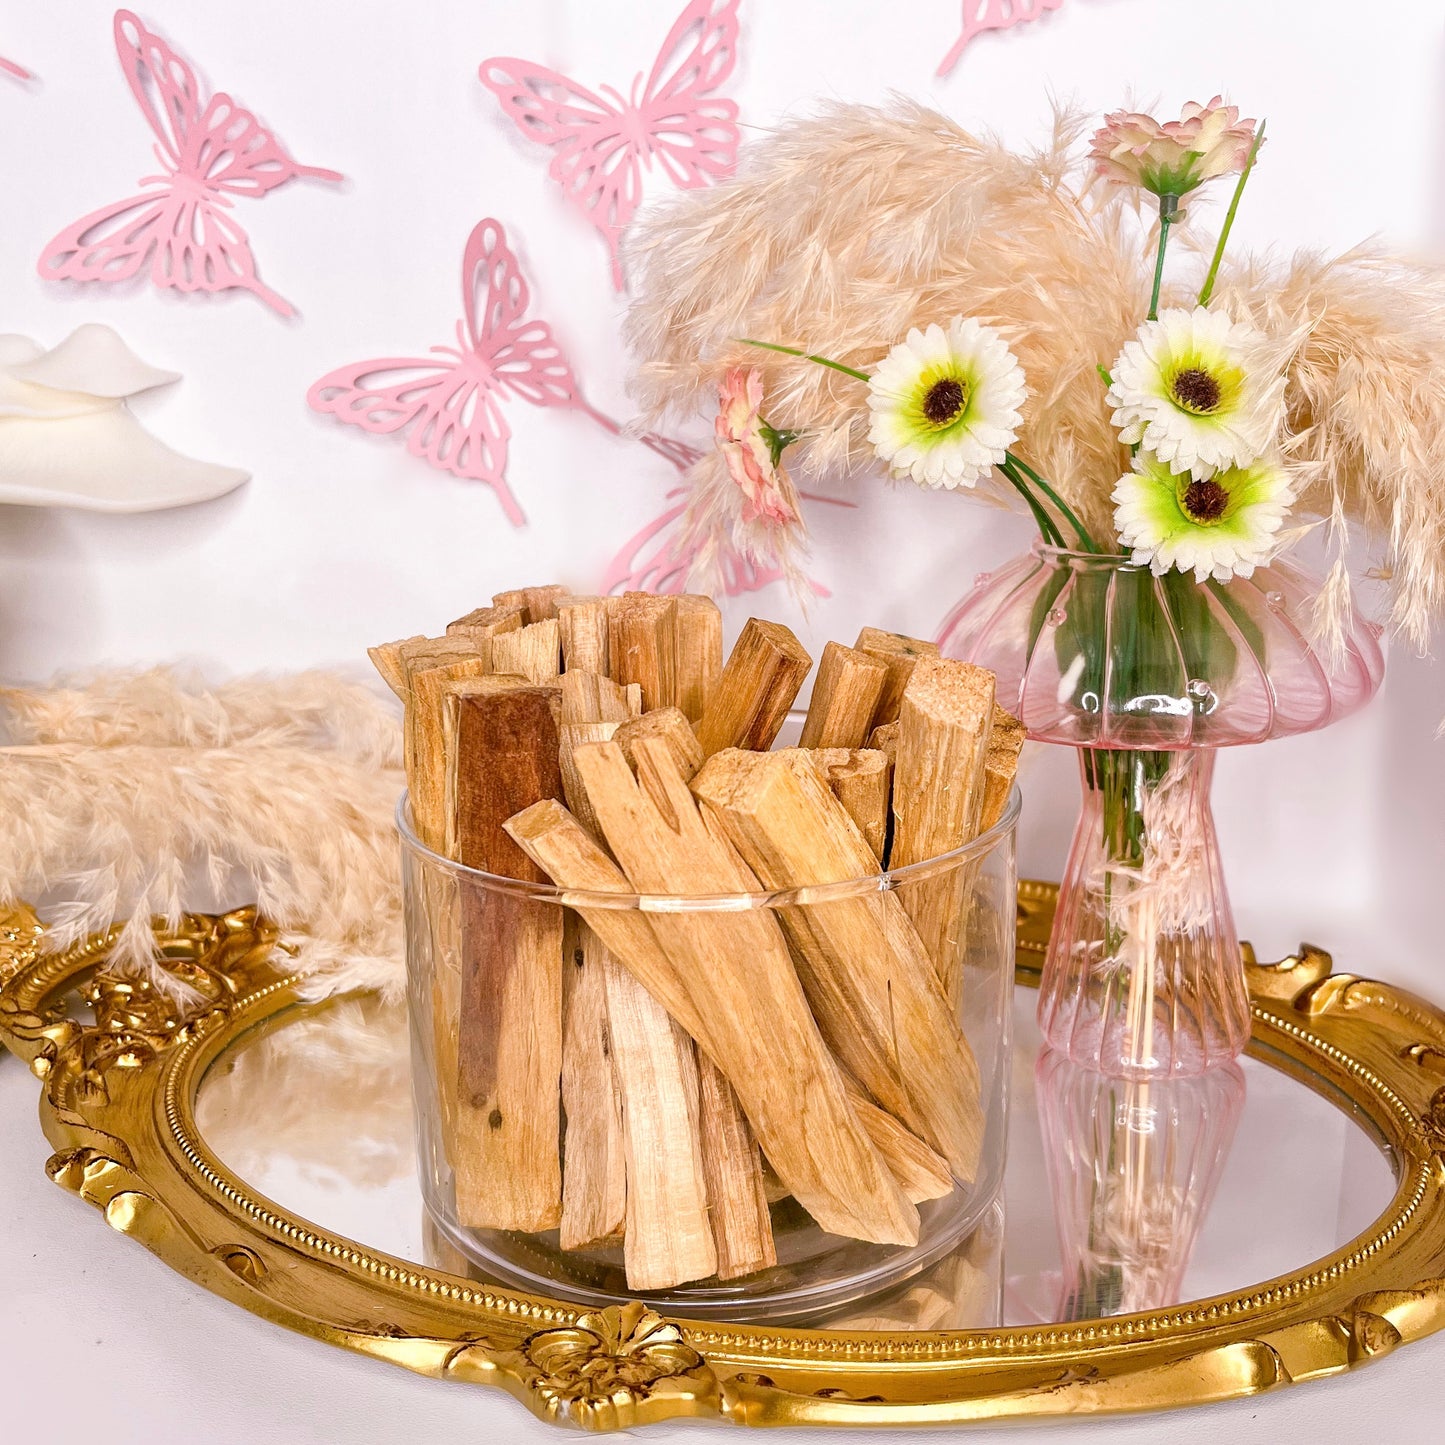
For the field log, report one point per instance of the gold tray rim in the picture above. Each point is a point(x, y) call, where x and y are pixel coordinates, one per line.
point(118, 1109)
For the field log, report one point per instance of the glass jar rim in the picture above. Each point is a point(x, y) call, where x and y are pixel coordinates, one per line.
point(885, 880)
point(1077, 557)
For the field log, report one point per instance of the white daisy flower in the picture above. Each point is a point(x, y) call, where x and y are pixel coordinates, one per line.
point(945, 404)
point(1220, 526)
point(1199, 391)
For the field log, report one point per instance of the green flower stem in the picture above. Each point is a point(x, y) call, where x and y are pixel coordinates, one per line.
point(1168, 205)
point(1208, 289)
point(1085, 540)
point(806, 355)
point(1047, 530)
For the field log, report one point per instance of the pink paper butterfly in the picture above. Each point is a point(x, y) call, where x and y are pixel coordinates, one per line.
point(601, 144)
point(10, 68)
point(453, 406)
point(210, 153)
point(981, 15)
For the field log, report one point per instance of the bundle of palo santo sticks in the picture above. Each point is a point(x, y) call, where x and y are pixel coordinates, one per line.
point(623, 1074)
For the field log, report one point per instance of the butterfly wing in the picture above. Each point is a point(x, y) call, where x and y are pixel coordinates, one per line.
point(189, 244)
point(10, 68)
point(694, 139)
point(594, 161)
point(981, 15)
point(451, 419)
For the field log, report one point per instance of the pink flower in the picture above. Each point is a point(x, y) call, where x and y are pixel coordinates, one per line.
point(742, 438)
point(1175, 158)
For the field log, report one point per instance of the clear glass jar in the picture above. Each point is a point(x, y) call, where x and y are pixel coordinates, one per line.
point(447, 904)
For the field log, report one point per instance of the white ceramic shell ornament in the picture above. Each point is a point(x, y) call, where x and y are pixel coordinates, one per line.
point(67, 438)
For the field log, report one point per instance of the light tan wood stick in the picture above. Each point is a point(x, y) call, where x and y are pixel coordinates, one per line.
point(587, 697)
point(515, 598)
point(583, 621)
point(845, 698)
point(386, 658)
point(504, 759)
point(899, 654)
point(432, 666)
point(860, 779)
point(938, 788)
point(750, 703)
point(923, 1172)
point(759, 1029)
point(871, 984)
point(594, 1171)
point(699, 653)
point(642, 645)
point(670, 727)
point(543, 602)
point(485, 623)
point(1001, 765)
point(533, 652)
point(669, 1235)
point(742, 1228)
point(885, 740)
point(574, 735)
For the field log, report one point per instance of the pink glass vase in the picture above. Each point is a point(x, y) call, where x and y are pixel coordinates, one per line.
point(1146, 676)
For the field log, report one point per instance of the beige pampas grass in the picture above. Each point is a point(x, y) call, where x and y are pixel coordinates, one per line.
point(841, 233)
point(151, 795)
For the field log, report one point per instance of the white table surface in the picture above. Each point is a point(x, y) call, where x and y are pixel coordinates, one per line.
point(98, 1337)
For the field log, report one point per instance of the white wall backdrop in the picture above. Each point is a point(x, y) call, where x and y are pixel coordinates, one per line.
point(342, 539)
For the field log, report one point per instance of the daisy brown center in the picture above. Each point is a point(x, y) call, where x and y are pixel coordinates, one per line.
point(944, 400)
point(1204, 502)
point(1196, 390)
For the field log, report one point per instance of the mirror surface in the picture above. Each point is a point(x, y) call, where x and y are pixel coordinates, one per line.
point(1117, 1197)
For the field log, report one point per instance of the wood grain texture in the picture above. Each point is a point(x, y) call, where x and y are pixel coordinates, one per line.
point(699, 653)
point(484, 623)
point(871, 983)
point(1000, 767)
point(670, 727)
point(533, 652)
point(583, 623)
point(899, 653)
point(923, 1172)
point(594, 1168)
point(764, 674)
point(742, 1228)
point(846, 695)
point(387, 659)
point(589, 697)
point(861, 779)
point(758, 1026)
point(432, 666)
point(504, 738)
point(938, 790)
point(574, 735)
point(642, 646)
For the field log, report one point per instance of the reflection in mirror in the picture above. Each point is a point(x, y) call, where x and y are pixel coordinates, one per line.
point(1133, 1167)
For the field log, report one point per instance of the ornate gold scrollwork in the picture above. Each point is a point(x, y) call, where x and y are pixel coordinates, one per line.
point(118, 1108)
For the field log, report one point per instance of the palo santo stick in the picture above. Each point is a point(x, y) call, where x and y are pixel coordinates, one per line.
point(670, 727)
point(885, 740)
point(699, 653)
point(505, 758)
point(583, 621)
point(533, 652)
point(742, 1229)
point(669, 1235)
point(750, 703)
point(642, 645)
point(758, 1027)
point(543, 602)
point(432, 666)
point(586, 697)
point(938, 788)
point(923, 1172)
point(846, 694)
point(860, 779)
point(594, 1173)
point(900, 655)
point(573, 736)
point(1000, 767)
point(387, 659)
point(485, 623)
point(871, 984)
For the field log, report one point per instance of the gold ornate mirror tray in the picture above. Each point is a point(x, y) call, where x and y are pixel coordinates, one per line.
point(122, 1069)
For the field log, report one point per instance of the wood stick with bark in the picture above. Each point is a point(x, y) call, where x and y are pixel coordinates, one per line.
point(938, 791)
point(758, 1027)
point(871, 984)
point(846, 695)
point(504, 759)
point(764, 673)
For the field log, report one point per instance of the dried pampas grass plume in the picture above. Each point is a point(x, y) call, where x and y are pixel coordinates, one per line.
point(841, 233)
point(149, 795)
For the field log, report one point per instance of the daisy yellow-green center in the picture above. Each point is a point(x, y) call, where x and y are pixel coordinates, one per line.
point(1202, 386)
point(1205, 503)
point(941, 401)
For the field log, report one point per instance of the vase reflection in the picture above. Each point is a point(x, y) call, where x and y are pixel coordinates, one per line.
point(1132, 1167)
